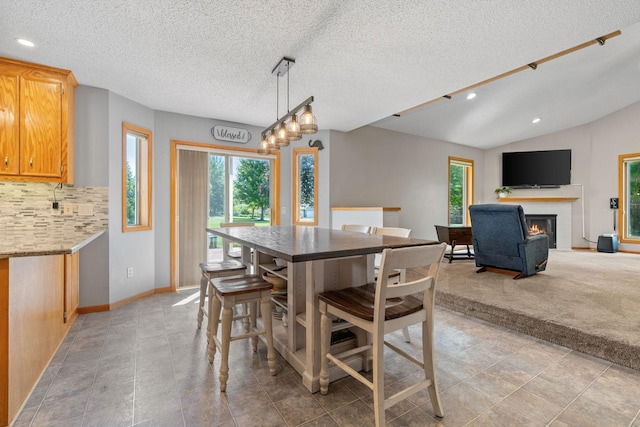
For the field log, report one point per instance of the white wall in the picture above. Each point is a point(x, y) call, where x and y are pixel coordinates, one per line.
point(594, 157)
point(376, 167)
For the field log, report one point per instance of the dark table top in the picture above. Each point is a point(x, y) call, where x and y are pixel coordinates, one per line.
point(300, 243)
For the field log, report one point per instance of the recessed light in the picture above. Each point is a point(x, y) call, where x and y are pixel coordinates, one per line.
point(25, 42)
point(536, 120)
point(471, 96)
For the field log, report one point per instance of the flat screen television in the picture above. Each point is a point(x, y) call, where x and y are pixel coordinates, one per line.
point(536, 169)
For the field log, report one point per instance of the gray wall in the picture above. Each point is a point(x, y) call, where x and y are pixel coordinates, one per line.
point(132, 249)
point(377, 167)
point(594, 156)
point(92, 169)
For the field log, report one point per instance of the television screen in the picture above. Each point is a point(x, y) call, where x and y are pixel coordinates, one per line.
point(530, 169)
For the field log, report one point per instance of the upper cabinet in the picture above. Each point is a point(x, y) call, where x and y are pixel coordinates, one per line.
point(36, 122)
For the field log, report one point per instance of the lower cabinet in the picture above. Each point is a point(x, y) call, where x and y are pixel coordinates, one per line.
point(35, 292)
point(71, 286)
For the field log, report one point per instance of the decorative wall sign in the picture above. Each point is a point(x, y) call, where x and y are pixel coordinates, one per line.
point(231, 134)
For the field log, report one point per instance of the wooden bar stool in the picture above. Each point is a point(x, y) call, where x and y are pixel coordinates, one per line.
point(381, 308)
point(400, 275)
point(211, 270)
point(224, 294)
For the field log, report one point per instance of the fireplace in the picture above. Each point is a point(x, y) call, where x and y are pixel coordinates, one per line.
point(543, 224)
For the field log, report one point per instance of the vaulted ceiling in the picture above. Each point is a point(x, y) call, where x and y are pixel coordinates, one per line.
point(364, 61)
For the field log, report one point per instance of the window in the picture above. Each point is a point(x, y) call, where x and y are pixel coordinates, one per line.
point(460, 190)
point(136, 178)
point(305, 186)
point(629, 193)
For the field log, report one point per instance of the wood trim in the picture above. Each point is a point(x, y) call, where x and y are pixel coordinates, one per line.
point(469, 179)
point(537, 199)
point(147, 158)
point(109, 307)
point(133, 298)
point(517, 70)
point(622, 218)
point(275, 214)
point(295, 184)
point(4, 342)
point(173, 214)
point(93, 309)
point(41, 67)
point(365, 208)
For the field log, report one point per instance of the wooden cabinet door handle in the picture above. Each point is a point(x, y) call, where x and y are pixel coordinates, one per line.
point(31, 162)
point(6, 161)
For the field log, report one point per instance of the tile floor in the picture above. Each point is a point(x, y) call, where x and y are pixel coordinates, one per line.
point(145, 364)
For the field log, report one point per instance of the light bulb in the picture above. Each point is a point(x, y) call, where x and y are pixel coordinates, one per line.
point(308, 121)
point(293, 129)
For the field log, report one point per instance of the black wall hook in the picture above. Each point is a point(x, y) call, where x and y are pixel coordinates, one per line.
point(317, 143)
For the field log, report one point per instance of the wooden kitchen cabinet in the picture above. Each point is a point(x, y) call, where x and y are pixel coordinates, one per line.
point(37, 122)
point(71, 286)
point(31, 325)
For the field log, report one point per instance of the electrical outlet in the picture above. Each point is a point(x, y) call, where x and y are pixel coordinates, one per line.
point(129, 272)
point(67, 209)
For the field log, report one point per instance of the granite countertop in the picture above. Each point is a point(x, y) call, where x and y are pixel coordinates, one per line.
point(45, 241)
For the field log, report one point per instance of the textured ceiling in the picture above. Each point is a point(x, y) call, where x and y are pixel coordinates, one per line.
point(362, 60)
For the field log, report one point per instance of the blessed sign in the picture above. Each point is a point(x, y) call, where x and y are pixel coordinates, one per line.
point(231, 134)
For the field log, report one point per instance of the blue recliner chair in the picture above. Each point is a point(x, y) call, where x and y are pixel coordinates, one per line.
point(501, 240)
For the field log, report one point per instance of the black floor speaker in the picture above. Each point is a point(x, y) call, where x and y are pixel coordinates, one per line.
point(608, 243)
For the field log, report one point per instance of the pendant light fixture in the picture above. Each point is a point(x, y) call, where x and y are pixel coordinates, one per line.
point(289, 127)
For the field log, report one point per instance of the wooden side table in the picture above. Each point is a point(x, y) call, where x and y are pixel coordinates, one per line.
point(454, 235)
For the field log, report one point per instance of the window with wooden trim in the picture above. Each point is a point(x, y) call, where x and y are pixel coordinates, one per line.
point(460, 190)
point(629, 194)
point(305, 186)
point(136, 178)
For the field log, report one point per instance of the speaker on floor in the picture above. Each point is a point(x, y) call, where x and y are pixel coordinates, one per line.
point(608, 243)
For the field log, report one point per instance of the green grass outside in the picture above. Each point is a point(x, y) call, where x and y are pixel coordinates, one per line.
point(214, 221)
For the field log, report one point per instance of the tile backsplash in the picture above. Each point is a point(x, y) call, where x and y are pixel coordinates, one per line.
point(26, 205)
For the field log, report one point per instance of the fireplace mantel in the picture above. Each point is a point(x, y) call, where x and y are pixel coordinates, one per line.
point(537, 199)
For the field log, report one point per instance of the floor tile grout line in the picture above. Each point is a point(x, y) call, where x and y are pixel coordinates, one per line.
point(581, 393)
point(53, 379)
point(95, 375)
point(135, 367)
point(521, 387)
point(173, 364)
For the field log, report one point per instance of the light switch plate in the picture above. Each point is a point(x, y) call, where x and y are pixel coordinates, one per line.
point(85, 209)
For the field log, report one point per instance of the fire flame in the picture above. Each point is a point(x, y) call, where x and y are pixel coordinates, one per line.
point(534, 229)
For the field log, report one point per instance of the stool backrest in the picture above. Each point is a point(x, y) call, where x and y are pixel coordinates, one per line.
point(392, 231)
point(356, 227)
point(425, 259)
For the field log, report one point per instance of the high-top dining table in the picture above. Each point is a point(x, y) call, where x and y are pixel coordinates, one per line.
point(317, 259)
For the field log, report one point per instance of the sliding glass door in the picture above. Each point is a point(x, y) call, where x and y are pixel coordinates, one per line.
point(217, 186)
point(239, 189)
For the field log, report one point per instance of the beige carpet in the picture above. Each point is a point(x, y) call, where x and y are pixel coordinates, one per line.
point(585, 300)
